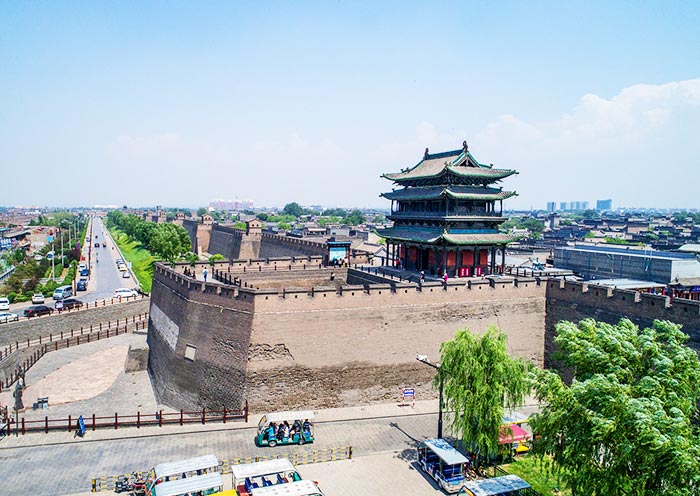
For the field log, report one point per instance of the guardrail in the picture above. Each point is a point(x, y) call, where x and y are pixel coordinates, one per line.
point(498, 471)
point(108, 482)
point(23, 426)
point(85, 306)
point(66, 339)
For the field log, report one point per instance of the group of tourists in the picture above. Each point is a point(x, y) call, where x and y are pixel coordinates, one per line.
point(285, 431)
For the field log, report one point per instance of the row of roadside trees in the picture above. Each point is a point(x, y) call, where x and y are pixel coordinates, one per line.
point(626, 424)
point(169, 241)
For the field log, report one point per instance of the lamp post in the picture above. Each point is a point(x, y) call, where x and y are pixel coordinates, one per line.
point(424, 359)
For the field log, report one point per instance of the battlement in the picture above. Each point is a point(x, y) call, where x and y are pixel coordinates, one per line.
point(623, 300)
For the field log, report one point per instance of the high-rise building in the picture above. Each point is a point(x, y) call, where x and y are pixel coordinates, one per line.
point(603, 205)
point(563, 206)
point(551, 206)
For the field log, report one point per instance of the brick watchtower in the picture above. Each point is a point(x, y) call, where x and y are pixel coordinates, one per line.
point(446, 215)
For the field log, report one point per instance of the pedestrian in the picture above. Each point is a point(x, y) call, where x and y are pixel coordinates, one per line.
point(422, 276)
point(204, 273)
point(444, 277)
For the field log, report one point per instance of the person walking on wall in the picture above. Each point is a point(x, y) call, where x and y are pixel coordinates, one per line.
point(204, 273)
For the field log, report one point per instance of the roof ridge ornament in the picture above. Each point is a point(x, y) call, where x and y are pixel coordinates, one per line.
point(465, 146)
point(425, 155)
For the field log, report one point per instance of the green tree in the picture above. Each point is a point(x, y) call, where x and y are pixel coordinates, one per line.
point(293, 209)
point(170, 241)
point(201, 211)
point(354, 218)
point(480, 381)
point(262, 216)
point(623, 426)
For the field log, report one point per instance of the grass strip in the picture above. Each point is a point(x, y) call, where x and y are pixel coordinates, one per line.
point(141, 259)
point(529, 468)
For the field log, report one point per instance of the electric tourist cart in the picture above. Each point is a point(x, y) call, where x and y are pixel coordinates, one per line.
point(292, 427)
point(441, 461)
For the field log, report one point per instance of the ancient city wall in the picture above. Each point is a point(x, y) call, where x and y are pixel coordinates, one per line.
point(274, 245)
point(321, 345)
point(215, 323)
point(575, 301)
point(225, 241)
point(191, 228)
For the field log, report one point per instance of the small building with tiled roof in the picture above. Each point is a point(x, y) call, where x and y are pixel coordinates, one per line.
point(446, 215)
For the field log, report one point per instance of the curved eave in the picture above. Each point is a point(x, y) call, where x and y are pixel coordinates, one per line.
point(445, 192)
point(503, 195)
point(479, 239)
point(477, 174)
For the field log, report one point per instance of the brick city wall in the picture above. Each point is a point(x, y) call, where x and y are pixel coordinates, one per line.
point(324, 346)
point(274, 245)
point(43, 326)
point(225, 241)
point(216, 324)
point(191, 228)
point(575, 301)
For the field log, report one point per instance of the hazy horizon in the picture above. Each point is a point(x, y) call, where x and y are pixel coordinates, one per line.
point(180, 103)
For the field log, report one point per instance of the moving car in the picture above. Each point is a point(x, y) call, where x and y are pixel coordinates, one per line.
point(125, 293)
point(8, 317)
point(97, 245)
point(4, 304)
point(37, 310)
point(37, 298)
point(68, 304)
point(62, 292)
point(125, 274)
point(81, 285)
point(85, 272)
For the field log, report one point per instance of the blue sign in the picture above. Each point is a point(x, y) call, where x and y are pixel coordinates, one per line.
point(696, 289)
point(409, 393)
point(81, 426)
point(49, 239)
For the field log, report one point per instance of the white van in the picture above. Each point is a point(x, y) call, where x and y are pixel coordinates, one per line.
point(62, 292)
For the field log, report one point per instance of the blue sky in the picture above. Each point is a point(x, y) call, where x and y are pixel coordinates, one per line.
point(179, 103)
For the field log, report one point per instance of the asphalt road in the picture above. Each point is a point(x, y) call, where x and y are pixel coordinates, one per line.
point(105, 277)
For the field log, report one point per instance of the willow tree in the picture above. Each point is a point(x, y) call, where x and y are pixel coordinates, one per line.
point(625, 424)
point(481, 381)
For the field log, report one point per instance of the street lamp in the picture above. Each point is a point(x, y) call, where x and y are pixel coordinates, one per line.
point(424, 359)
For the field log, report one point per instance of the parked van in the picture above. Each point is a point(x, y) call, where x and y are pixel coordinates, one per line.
point(62, 292)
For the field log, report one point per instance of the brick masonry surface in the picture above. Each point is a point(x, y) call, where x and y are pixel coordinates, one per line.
point(575, 301)
point(327, 346)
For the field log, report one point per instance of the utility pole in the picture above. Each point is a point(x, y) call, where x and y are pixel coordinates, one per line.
point(424, 359)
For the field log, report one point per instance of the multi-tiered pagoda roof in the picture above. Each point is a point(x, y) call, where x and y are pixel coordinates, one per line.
point(447, 200)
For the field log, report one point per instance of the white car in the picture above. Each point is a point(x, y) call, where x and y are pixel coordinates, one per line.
point(4, 304)
point(125, 274)
point(8, 317)
point(37, 298)
point(125, 293)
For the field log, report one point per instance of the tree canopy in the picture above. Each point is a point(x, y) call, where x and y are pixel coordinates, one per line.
point(170, 241)
point(623, 426)
point(480, 381)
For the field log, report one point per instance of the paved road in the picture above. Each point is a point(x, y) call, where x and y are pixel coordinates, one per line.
point(67, 468)
point(105, 275)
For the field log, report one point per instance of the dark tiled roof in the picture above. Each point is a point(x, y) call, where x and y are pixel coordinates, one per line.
point(437, 235)
point(456, 192)
point(458, 162)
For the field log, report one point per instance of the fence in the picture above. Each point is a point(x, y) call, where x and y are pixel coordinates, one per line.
point(107, 482)
point(66, 339)
point(23, 426)
point(86, 306)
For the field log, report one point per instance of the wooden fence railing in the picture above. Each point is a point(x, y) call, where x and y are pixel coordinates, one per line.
point(159, 418)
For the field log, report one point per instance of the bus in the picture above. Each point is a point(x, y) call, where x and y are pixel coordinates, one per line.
point(298, 488)
point(250, 476)
point(201, 485)
point(181, 469)
point(441, 461)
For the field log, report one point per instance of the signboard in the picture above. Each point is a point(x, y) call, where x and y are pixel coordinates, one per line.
point(696, 289)
point(409, 395)
point(49, 239)
point(337, 253)
point(81, 426)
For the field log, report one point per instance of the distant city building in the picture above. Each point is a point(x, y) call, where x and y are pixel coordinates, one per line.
point(224, 205)
point(563, 206)
point(551, 206)
point(603, 205)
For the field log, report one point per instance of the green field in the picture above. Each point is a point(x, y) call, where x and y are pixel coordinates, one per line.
point(140, 258)
point(529, 468)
